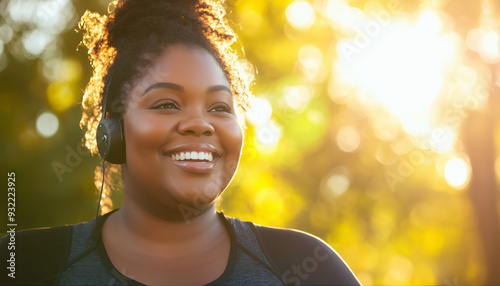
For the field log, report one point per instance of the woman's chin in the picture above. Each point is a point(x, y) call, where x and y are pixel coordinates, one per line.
point(190, 209)
point(195, 192)
point(196, 200)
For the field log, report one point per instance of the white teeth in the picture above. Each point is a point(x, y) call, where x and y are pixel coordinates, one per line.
point(193, 155)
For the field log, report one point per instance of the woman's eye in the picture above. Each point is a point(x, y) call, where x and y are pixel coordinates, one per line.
point(221, 108)
point(166, 105)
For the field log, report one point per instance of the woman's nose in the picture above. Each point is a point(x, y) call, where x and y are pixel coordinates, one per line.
point(195, 126)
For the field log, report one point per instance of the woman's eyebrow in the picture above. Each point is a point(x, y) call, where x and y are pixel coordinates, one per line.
point(168, 85)
point(216, 88)
point(180, 88)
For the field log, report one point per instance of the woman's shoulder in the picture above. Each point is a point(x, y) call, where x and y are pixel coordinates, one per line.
point(44, 242)
point(33, 255)
point(302, 258)
point(36, 255)
point(288, 238)
point(41, 233)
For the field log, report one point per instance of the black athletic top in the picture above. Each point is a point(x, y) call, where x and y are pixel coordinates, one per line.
point(259, 255)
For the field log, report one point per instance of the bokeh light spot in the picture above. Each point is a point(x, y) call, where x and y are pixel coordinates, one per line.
point(47, 124)
point(466, 77)
point(400, 271)
point(340, 14)
point(268, 136)
point(300, 14)
point(315, 116)
point(6, 33)
point(385, 155)
point(386, 129)
point(402, 146)
point(297, 97)
point(336, 182)
point(348, 139)
point(456, 173)
point(489, 47)
point(35, 42)
point(473, 39)
point(60, 96)
point(260, 111)
point(310, 56)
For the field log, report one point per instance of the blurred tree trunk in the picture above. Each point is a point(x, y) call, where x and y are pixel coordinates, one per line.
point(478, 133)
point(479, 138)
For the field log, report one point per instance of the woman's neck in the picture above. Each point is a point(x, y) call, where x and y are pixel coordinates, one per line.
point(157, 251)
point(195, 226)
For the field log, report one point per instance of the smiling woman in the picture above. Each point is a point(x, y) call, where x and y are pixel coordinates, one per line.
point(186, 111)
point(175, 100)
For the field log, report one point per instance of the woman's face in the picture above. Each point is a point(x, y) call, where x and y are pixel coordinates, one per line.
point(183, 139)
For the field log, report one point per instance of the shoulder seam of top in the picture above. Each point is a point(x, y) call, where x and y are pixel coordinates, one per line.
point(69, 243)
point(271, 267)
point(263, 248)
point(81, 255)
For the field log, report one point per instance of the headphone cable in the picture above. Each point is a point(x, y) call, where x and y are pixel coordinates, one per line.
point(102, 187)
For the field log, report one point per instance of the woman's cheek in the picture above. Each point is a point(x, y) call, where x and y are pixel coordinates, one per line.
point(144, 132)
point(232, 135)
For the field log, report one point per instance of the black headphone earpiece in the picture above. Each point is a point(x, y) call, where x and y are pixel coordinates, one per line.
point(110, 136)
point(110, 141)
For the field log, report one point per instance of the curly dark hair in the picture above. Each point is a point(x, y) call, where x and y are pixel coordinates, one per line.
point(127, 42)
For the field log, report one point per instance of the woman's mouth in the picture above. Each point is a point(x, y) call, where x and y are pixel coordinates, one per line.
point(198, 158)
point(194, 162)
point(193, 156)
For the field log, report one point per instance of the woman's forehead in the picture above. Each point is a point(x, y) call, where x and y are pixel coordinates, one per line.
point(191, 67)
